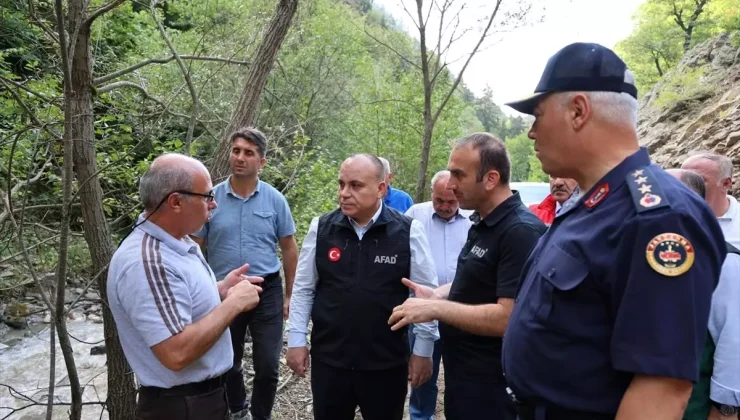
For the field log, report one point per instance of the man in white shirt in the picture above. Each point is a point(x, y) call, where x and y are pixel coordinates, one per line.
point(446, 226)
point(717, 173)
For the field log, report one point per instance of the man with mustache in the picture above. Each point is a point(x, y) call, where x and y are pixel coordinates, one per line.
point(348, 281)
point(446, 225)
point(560, 191)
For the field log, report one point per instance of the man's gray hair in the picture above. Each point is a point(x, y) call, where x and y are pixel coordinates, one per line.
point(386, 166)
point(614, 108)
point(439, 175)
point(159, 181)
point(724, 164)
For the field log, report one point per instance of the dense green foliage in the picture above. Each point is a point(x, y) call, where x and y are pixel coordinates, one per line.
point(334, 91)
point(659, 39)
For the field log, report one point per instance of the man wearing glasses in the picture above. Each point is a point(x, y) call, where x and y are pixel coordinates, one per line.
point(252, 220)
point(171, 313)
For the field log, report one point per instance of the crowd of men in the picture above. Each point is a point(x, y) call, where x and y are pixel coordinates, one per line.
point(617, 297)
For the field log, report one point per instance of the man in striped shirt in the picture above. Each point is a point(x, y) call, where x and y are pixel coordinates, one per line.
point(171, 313)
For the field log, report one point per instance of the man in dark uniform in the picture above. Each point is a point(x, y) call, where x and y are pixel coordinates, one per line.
point(474, 309)
point(348, 282)
point(611, 314)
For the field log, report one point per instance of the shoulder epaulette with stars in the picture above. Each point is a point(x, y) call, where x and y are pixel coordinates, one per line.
point(646, 193)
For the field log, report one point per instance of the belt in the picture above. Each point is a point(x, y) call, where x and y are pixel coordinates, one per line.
point(541, 412)
point(185, 390)
point(271, 276)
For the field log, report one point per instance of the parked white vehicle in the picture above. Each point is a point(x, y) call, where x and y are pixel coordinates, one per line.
point(531, 192)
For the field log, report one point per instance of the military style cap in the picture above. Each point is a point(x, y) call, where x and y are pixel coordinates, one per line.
point(580, 67)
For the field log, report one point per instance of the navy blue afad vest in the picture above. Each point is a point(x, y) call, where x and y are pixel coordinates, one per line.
point(359, 285)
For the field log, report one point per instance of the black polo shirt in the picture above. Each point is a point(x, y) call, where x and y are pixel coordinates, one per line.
point(489, 267)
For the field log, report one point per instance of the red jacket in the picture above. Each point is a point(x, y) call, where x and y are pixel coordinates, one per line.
point(545, 210)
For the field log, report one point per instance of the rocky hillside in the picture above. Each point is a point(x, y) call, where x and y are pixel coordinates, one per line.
point(696, 106)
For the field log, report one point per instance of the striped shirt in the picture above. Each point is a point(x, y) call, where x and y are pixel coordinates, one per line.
point(157, 285)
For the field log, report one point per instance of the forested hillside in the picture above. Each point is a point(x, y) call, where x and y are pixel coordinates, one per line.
point(334, 90)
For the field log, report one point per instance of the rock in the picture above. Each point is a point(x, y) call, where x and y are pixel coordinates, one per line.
point(95, 318)
point(4, 346)
point(705, 119)
point(47, 318)
point(17, 310)
point(92, 296)
point(97, 350)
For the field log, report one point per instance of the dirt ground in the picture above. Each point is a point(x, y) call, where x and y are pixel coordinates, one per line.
point(294, 402)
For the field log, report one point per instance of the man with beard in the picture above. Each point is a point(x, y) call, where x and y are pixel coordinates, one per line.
point(560, 191)
point(348, 281)
point(252, 220)
point(474, 309)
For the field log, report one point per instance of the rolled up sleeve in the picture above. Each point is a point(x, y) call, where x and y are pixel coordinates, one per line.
point(423, 272)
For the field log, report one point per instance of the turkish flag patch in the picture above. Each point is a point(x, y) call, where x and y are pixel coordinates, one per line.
point(334, 254)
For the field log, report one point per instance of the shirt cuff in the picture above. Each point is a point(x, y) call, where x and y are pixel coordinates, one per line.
point(723, 394)
point(423, 348)
point(296, 339)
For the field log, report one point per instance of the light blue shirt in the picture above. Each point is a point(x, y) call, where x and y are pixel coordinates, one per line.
point(724, 326)
point(246, 229)
point(158, 285)
point(446, 238)
point(307, 277)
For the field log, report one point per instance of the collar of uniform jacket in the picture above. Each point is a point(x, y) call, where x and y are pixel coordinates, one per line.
point(181, 246)
point(500, 211)
point(614, 179)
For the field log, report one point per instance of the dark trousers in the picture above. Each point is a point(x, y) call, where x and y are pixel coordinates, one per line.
point(265, 323)
point(380, 394)
point(423, 399)
point(154, 404)
point(476, 400)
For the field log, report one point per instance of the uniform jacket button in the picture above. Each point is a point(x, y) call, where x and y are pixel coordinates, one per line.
point(551, 272)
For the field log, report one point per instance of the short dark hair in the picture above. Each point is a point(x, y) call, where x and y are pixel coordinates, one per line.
point(253, 136)
point(377, 163)
point(492, 152)
point(695, 182)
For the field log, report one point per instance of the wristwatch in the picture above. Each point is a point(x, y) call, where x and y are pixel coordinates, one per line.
point(727, 410)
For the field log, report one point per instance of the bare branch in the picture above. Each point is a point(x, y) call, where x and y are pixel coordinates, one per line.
point(102, 10)
point(27, 89)
point(465, 66)
point(116, 74)
point(401, 56)
point(186, 75)
point(126, 83)
point(413, 19)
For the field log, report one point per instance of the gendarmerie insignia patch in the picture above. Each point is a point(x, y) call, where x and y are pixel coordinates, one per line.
point(599, 194)
point(670, 254)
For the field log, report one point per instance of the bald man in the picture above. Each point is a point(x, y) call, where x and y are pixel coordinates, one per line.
point(348, 281)
point(171, 313)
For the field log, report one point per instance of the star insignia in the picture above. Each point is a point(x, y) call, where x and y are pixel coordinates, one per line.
point(637, 173)
point(645, 188)
point(641, 180)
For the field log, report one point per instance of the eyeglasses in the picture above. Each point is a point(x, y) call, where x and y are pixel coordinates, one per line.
point(209, 197)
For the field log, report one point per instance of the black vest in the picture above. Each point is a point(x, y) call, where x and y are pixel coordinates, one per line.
point(359, 285)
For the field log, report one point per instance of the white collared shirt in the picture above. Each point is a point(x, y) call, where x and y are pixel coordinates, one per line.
point(730, 222)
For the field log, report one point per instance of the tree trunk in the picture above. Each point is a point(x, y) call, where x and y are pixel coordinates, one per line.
point(426, 140)
point(70, 118)
point(262, 64)
point(121, 401)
